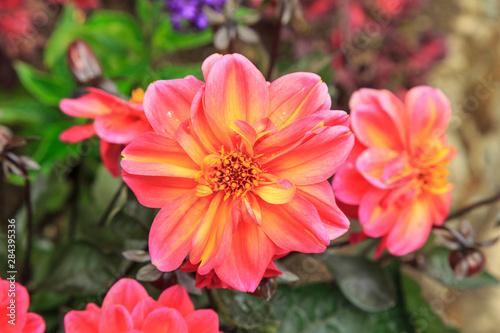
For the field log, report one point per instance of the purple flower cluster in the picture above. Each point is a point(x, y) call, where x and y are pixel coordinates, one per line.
point(192, 11)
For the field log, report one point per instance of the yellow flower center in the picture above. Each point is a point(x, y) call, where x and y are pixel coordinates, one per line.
point(432, 160)
point(232, 172)
point(137, 96)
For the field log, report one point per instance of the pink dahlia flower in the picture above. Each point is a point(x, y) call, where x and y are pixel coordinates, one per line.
point(14, 303)
point(239, 168)
point(127, 307)
point(116, 122)
point(396, 174)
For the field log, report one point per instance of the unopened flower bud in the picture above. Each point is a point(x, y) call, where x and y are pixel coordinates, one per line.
point(83, 63)
point(467, 262)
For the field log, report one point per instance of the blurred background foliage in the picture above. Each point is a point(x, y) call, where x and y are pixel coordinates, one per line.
point(84, 219)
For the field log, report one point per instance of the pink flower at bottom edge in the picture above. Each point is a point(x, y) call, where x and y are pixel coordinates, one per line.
point(127, 307)
point(14, 303)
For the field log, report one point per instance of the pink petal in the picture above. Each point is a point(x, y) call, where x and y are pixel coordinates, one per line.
point(375, 128)
point(77, 133)
point(321, 196)
point(22, 302)
point(207, 65)
point(34, 324)
point(384, 168)
point(249, 256)
point(316, 159)
point(125, 292)
point(412, 230)
point(121, 128)
point(173, 229)
point(294, 226)
point(235, 90)
point(86, 106)
point(157, 191)
point(246, 132)
point(213, 238)
point(142, 310)
point(430, 113)
point(203, 321)
point(439, 205)
point(295, 96)
point(165, 320)
point(110, 156)
point(152, 154)
point(377, 219)
point(176, 297)
point(348, 184)
point(167, 103)
point(82, 321)
point(116, 319)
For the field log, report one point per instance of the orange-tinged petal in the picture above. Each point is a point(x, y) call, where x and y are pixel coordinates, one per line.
point(316, 159)
point(209, 133)
point(439, 206)
point(176, 297)
point(247, 260)
point(167, 103)
point(190, 142)
point(213, 237)
point(249, 209)
point(235, 90)
point(321, 197)
point(277, 194)
point(295, 96)
point(125, 292)
point(247, 133)
point(86, 106)
point(157, 191)
point(412, 229)
point(164, 320)
point(173, 229)
point(152, 154)
point(294, 226)
point(77, 133)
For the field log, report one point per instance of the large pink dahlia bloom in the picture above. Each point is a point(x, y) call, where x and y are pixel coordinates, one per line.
point(239, 167)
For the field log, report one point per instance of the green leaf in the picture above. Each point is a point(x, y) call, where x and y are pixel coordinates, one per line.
point(439, 268)
point(422, 317)
point(17, 107)
point(242, 309)
point(47, 89)
point(363, 282)
point(80, 269)
point(322, 308)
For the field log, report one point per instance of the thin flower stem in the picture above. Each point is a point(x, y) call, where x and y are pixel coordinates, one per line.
point(475, 205)
point(276, 42)
point(111, 205)
point(26, 275)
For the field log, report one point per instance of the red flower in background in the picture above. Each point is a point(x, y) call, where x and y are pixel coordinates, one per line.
point(127, 307)
point(79, 3)
point(15, 22)
point(24, 322)
point(116, 122)
point(396, 173)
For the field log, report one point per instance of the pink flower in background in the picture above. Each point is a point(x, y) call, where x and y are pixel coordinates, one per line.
point(116, 122)
point(127, 307)
point(239, 168)
point(396, 172)
point(25, 322)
